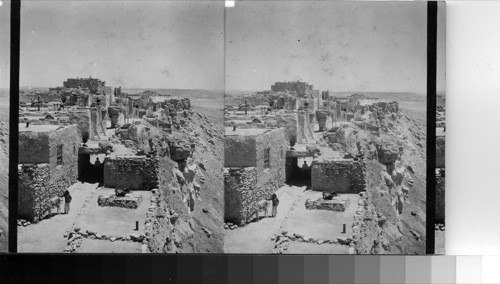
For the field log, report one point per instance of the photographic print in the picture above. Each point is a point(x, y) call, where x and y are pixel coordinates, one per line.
point(325, 127)
point(120, 127)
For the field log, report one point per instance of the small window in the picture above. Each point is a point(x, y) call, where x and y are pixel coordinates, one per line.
point(59, 154)
point(267, 154)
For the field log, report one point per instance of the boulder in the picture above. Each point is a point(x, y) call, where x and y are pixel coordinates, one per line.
point(180, 151)
point(387, 154)
point(344, 240)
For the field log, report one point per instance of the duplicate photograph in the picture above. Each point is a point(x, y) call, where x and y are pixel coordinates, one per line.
point(325, 127)
point(121, 127)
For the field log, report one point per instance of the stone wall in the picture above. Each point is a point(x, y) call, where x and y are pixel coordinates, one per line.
point(276, 142)
point(290, 122)
point(70, 139)
point(33, 147)
point(91, 83)
point(241, 193)
point(134, 172)
point(81, 117)
point(341, 176)
point(41, 148)
point(35, 189)
point(239, 151)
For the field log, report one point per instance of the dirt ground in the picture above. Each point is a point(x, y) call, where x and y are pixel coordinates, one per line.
point(113, 221)
point(293, 217)
point(48, 234)
point(256, 237)
point(328, 225)
point(85, 213)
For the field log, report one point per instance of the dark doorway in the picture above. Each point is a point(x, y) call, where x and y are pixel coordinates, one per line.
point(90, 172)
point(298, 175)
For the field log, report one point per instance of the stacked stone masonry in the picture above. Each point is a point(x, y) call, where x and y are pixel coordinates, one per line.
point(248, 183)
point(242, 193)
point(48, 167)
point(36, 188)
point(134, 173)
point(340, 176)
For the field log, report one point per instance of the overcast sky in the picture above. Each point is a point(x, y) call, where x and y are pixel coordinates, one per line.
point(340, 46)
point(130, 44)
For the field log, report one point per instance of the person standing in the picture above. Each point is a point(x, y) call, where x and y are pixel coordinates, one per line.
point(275, 202)
point(67, 201)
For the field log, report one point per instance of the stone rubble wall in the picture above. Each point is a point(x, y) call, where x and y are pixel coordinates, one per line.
point(135, 173)
point(342, 176)
point(35, 189)
point(131, 201)
point(242, 191)
point(39, 183)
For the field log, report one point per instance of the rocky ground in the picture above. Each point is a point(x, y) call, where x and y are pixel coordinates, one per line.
point(195, 224)
point(88, 227)
point(4, 180)
point(394, 221)
point(51, 234)
point(295, 229)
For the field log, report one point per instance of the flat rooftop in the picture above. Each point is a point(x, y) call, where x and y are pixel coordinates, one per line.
point(247, 131)
point(39, 127)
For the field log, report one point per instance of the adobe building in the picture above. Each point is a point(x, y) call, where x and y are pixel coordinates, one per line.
point(48, 159)
point(338, 175)
point(303, 89)
point(131, 172)
point(255, 168)
point(93, 84)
